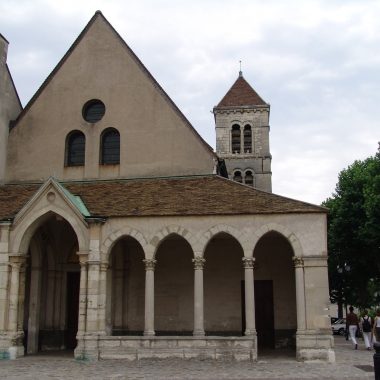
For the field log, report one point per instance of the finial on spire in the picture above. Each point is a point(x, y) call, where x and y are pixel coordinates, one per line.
point(240, 72)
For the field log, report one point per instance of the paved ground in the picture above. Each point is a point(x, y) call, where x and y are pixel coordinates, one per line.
point(268, 367)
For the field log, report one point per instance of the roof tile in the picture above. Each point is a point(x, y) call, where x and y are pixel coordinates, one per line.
point(241, 94)
point(202, 195)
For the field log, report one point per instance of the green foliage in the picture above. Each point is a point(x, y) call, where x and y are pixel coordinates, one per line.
point(354, 234)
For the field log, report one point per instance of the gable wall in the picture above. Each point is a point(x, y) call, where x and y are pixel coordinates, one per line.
point(155, 141)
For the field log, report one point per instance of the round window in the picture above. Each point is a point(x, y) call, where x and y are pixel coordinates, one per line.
point(93, 111)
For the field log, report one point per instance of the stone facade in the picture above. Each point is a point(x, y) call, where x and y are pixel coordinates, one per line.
point(112, 279)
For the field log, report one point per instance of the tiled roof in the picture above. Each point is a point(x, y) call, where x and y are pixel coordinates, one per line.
point(241, 94)
point(14, 197)
point(202, 195)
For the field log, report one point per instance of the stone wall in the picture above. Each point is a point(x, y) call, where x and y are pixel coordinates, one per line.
point(258, 158)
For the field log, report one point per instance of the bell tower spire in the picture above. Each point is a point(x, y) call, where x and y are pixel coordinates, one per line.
point(242, 135)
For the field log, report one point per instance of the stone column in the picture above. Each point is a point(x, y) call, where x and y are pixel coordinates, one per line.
point(109, 300)
point(93, 274)
point(198, 296)
point(102, 301)
point(82, 318)
point(149, 296)
point(16, 262)
point(34, 309)
point(242, 146)
point(21, 299)
point(50, 297)
point(249, 264)
point(300, 293)
point(58, 295)
point(4, 276)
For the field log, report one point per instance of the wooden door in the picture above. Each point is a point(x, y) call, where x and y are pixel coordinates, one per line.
point(264, 313)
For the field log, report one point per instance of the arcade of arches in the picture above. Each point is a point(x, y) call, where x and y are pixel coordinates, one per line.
point(172, 295)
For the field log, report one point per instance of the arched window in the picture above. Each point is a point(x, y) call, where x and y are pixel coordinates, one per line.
point(235, 138)
point(238, 177)
point(248, 178)
point(75, 148)
point(110, 147)
point(247, 139)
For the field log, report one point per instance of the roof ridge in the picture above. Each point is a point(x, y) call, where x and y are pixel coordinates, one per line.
point(94, 180)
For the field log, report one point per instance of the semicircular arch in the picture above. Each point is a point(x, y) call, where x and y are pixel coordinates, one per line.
point(164, 232)
point(114, 236)
point(282, 230)
point(240, 236)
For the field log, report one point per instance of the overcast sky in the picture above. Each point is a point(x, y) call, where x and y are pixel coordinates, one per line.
point(316, 62)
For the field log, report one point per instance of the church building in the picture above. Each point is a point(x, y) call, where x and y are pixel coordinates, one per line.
point(124, 235)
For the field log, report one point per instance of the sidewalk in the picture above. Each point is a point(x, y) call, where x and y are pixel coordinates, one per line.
point(350, 364)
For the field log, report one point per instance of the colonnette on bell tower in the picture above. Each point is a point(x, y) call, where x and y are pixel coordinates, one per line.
point(242, 135)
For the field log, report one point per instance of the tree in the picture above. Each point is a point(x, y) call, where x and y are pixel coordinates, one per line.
point(354, 235)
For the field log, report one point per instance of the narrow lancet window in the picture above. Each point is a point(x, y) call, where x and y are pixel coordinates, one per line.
point(235, 139)
point(247, 139)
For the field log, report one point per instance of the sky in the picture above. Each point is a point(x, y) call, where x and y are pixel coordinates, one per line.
point(317, 62)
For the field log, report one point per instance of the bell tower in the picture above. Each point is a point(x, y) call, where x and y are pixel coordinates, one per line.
point(10, 105)
point(242, 135)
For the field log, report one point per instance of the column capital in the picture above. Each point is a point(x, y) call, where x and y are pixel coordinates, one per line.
point(199, 262)
point(249, 262)
point(298, 261)
point(149, 264)
point(83, 257)
point(94, 262)
point(17, 260)
point(104, 265)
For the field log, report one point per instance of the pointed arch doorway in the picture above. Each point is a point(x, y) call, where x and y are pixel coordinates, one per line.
point(51, 307)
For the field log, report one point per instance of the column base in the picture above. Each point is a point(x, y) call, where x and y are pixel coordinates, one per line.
point(199, 332)
point(149, 333)
point(250, 332)
point(315, 345)
point(87, 348)
point(11, 345)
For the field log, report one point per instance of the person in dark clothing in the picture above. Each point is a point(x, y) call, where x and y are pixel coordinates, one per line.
point(366, 326)
point(352, 325)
